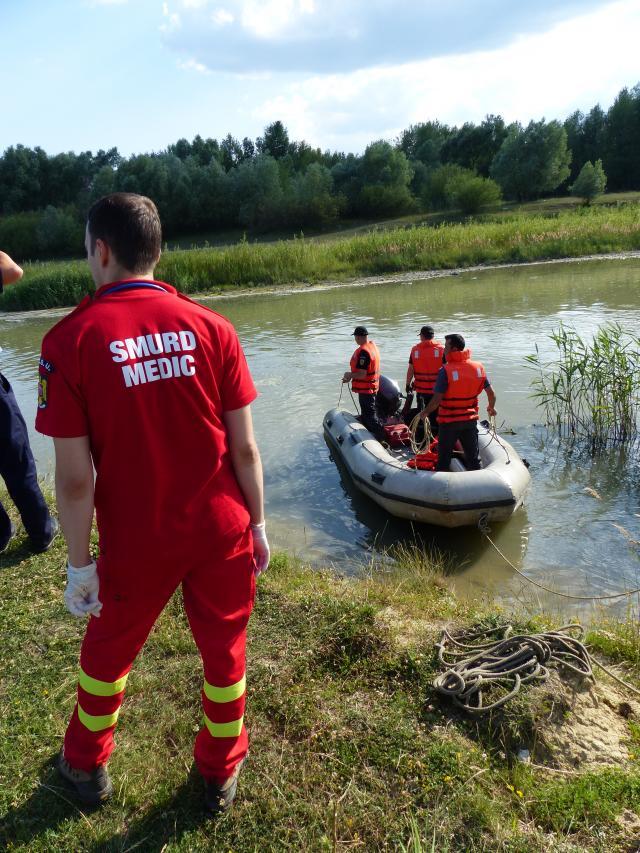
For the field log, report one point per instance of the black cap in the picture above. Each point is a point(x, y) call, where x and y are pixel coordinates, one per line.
point(360, 330)
point(427, 331)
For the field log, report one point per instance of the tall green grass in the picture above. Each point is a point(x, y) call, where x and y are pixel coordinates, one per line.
point(507, 239)
point(590, 391)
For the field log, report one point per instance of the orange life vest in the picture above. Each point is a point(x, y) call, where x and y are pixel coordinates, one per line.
point(366, 384)
point(466, 381)
point(426, 359)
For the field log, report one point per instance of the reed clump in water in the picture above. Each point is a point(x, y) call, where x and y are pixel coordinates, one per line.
point(591, 390)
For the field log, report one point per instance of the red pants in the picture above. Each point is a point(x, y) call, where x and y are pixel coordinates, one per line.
point(218, 597)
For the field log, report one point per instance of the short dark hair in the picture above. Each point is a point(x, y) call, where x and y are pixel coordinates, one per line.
point(130, 225)
point(456, 341)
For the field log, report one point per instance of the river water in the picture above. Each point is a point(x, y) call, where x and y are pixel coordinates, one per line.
point(298, 346)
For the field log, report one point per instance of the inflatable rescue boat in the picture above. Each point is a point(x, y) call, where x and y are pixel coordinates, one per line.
point(449, 499)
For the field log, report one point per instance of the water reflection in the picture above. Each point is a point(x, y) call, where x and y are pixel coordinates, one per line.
point(299, 345)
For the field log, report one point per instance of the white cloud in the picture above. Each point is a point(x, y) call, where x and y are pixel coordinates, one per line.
point(192, 65)
point(345, 35)
point(575, 65)
point(269, 19)
point(171, 21)
point(222, 17)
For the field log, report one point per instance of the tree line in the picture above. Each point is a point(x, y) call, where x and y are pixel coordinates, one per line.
point(274, 183)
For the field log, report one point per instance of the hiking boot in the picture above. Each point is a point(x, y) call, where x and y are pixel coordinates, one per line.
point(93, 788)
point(219, 796)
point(5, 544)
point(44, 545)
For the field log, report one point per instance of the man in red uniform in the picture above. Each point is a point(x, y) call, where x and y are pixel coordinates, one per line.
point(458, 386)
point(153, 390)
point(425, 361)
point(364, 376)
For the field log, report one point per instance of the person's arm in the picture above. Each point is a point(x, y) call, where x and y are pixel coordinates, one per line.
point(245, 459)
point(10, 272)
point(410, 375)
point(247, 465)
point(74, 496)
point(491, 396)
point(431, 406)
point(442, 383)
point(360, 372)
point(353, 374)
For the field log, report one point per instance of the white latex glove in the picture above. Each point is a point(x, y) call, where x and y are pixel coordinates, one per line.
point(261, 552)
point(81, 593)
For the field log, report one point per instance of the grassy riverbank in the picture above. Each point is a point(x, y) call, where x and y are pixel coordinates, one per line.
point(351, 748)
point(510, 238)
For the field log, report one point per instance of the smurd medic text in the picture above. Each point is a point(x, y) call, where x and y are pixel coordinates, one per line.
point(146, 369)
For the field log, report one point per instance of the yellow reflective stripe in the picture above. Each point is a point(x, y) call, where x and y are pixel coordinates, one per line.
point(97, 724)
point(231, 729)
point(101, 688)
point(225, 694)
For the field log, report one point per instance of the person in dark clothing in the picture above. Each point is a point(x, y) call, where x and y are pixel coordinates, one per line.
point(425, 360)
point(17, 466)
point(458, 386)
point(364, 376)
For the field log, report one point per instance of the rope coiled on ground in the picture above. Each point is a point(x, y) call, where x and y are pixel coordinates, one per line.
point(502, 666)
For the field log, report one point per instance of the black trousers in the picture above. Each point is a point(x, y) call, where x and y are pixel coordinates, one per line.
point(369, 415)
point(18, 470)
point(423, 402)
point(467, 432)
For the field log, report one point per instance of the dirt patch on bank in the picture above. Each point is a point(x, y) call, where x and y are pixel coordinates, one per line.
point(569, 724)
point(586, 725)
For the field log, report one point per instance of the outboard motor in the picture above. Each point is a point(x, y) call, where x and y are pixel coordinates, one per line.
point(388, 398)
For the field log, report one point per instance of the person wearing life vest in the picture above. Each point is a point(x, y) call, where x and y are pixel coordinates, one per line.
point(425, 361)
point(364, 376)
point(458, 386)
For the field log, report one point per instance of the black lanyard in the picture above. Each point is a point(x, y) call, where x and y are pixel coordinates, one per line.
point(130, 285)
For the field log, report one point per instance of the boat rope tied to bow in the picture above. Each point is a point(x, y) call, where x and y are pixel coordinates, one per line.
point(483, 672)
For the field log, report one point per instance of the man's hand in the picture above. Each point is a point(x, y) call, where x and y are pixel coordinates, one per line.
point(10, 270)
point(408, 387)
point(346, 377)
point(81, 593)
point(491, 412)
point(261, 551)
point(423, 415)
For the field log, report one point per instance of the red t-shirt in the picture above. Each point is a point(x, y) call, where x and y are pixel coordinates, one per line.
point(147, 373)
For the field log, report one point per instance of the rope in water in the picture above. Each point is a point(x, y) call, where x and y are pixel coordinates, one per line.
point(503, 665)
point(484, 529)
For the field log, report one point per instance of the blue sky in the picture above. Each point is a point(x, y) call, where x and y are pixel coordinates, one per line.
point(139, 74)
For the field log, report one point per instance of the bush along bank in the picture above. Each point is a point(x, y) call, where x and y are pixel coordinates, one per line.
point(351, 747)
point(508, 239)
